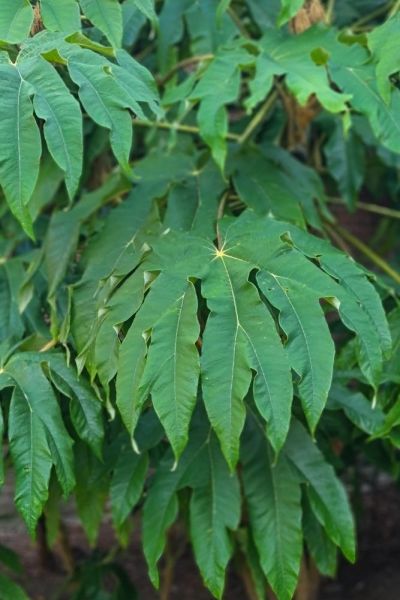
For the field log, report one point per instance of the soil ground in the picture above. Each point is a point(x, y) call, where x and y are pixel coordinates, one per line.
point(376, 576)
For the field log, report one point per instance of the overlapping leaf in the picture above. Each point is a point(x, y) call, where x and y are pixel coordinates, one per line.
point(240, 335)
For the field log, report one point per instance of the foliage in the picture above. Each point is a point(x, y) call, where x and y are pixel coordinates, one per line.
point(178, 333)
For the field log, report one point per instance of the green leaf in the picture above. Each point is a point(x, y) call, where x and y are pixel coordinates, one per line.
point(327, 495)
point(250, 341)
point(161, 505)
point(283, 54)
point(357, 408)
point(218, 86)
point(16, 19)
point(41, 401)
point(85, 408)
point(127, 483)
point(214, 510)
point(10, 590)
point(62, 116)
point(273, 500)
point(20, 145)
point(130, 394)
point(103, 99)
point(288, 10)
point(1, 452)
point(62, 15)
point(310, 346)
point(147, 8)
point(172, 368)
point(346, 162)
point(32, 459)
point(354, 75)
point(265, 188)
point(322, 550)
point(382, 42)
point(106, 15)
point(92, 485)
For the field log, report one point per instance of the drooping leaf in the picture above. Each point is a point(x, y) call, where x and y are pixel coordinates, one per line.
point(62, 116)
point(273, 500)
point(42, 403)
point(172, 367)
point(32, 459)
point(106, 15)
point(16, 19)
point(20, 146)
point(62, 15)
point(127, 483)
point(346, 162)
point(327, 495)
point(214, 510)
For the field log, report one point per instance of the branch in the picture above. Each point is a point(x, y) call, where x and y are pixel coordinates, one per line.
point(373, 208)
point(370, 254)
point(186, 62)
point(179, 127)
point(258, 117)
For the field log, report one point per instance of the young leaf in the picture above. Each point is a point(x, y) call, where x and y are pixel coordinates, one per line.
point(106, 15)
point(127, 483)
point(20, 145)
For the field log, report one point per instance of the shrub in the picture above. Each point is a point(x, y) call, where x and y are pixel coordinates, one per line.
point(171, 299)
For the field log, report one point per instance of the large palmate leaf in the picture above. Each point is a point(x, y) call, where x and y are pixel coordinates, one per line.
point(240, 336)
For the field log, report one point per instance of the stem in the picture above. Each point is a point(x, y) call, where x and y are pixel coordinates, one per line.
point(48, 346)
point(370, 254)
point(337, 239)
point(329, 11)
point(179, 127)
point(258, 117)
point(373, 208)
point(186, 62)
point(238, 22)
point(394, 10)
point(372, 15)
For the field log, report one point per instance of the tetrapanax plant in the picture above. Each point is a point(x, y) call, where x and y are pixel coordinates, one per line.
point(171, 299)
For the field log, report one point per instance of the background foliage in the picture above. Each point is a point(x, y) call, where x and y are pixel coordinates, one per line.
point(183, 334)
